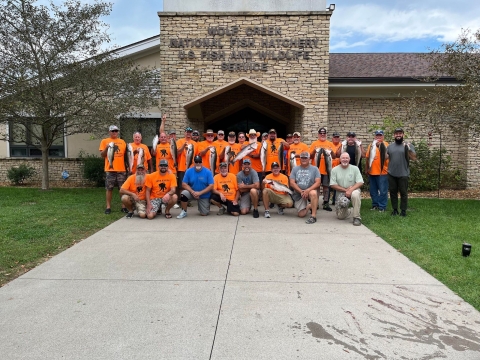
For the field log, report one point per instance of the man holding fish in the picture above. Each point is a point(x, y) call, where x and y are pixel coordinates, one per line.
point(139, 153)
point(186, 149)
point(208, 151)
point(376, 167)
point(113, 150)
point(276, 190)
point(294, 151)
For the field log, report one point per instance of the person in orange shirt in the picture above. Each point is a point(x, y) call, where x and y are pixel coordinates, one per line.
point(233, 167)
point(298, 147)
point(182, 148)
point(254, 156)
point(196, 136)
point(271, 193)
point(323, 143)
point(163, 151)
point(133, 193)
point(378, 177)
point(273, 146)
point(220, 144)
point(161, 186)
point(225, 192)
point(335, 162)
point(136, 146)
point(205, 149)
point(115, 169)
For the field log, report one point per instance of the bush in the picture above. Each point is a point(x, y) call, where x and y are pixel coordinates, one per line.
point(93, 169)
point(18, 175)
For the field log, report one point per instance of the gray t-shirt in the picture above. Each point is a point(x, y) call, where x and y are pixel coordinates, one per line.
point(397, 164)
point(249, 179)
point(345, 177)
point(305, 177)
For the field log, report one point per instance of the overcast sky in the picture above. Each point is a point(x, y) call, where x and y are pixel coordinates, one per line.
point(356, 26)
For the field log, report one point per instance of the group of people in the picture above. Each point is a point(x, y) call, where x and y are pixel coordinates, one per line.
point(248, 168)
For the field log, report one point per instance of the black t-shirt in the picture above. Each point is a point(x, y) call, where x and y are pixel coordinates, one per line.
point(351, 151)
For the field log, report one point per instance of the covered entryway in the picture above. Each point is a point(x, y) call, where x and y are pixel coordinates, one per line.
point(243, 105)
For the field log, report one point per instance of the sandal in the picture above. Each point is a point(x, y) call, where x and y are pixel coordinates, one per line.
point(168, 216)
point(311, 220)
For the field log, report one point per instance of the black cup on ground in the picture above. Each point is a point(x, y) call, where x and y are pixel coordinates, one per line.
point(466, 248)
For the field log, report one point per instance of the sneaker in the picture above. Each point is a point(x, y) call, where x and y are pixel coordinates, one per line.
point(357, 222)
point(176, 206)
point(394, 212)
point(125, 210)
point(374, 208)
point(403, 213)
point(326, 206)
point(280, 210)
point(311, 220)
point(182, 214)
point(381, 210)
point(267, 214)
point(108, 211)
point(255, 213)
point(129, 215)
point(221, 211)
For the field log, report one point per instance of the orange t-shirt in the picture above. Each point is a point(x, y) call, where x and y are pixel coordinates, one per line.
point(336, 161)
point(226, 185)
point(119, 155)
point(163, 152)
point(206, 158)
point(147, 156)
point(272, 153)
point(160, 184)
point(298, 148)
point(234, 150)
point(375, 168)
point(325, 145)
point(220, 145)
point(282, 179)
point(256, 162)
point(182, 157)
point(129, 185)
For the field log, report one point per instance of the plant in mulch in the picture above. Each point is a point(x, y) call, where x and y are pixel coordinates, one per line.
point(19, 175)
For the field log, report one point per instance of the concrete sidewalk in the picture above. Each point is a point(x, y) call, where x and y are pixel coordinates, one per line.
point(234, 288)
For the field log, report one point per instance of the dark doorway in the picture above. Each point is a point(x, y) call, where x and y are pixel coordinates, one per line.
point(246, 119)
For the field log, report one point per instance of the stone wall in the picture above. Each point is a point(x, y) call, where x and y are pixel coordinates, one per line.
point(195, 74)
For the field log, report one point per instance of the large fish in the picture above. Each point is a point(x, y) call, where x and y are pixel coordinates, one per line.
point(373, 153)
point(141, 156)
point(111, 153)
point(383, 154)
point(280, 155)
point(154, 144)
point(189, 155)
point(358, 153)
point(173, 151)
point(279, 186)
point(245, 151)
point(131, 157)
point(213, 159)
point(293, 161)
point(407, 149)
point(318, 157)
point(263, 155)
point(327, 155)
point(344, 146)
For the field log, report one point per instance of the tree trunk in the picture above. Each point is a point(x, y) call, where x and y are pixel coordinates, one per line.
point(45, 181)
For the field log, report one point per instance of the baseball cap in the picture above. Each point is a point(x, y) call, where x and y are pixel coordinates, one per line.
point(305, 154)
point(223, 164)
point(272, 131)
point(335, 134)
point(351, 133)
point(399, 130)
point(163, 162)
point(296, 133)
point(140, 166)
point(112, 128)
point(172, 132)
point(289, 135)
point(378, 132)
point(264, 134)
point(322, 130)
point(275, 164)
point(247, 161)
point(231, 133)
point(188, 128)
point(220, 132)
point(197, 159)
point(195, 132)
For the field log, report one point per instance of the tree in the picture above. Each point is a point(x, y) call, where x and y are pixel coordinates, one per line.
point(56, 78)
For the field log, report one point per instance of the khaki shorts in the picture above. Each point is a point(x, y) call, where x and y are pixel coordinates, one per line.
point(113, 178)
point(140, 205)
point(280, 199)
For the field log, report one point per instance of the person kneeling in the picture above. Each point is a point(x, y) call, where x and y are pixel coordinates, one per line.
point(161, 187)
point(225, 191)
point(276, 191)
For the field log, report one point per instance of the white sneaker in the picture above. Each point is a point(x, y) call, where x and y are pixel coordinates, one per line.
point(176, 206)
point(182, 214)
point(267, 214)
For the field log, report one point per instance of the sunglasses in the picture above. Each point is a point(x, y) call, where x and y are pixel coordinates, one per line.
point(113, 130)
point(163, 165)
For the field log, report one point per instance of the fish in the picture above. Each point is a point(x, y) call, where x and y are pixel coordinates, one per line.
point(173, 151)
point(111, 153)
point(407, 149)
point(263, 155)
point(327, 155)
point(131, 157)
point(154, 144)
point(373, 153)
point(189, 155)
point(318, 157)
point(280, 155)
point(383, 154)
point(245, 151)
point(213, 159)
point(279, 186)
point(358, 153)
point(141, 157)
point(293, 161)
point(344, 146)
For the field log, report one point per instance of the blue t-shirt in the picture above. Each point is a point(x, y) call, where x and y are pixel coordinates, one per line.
point(198, 181)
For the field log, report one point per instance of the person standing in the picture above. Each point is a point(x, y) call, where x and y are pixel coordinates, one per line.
point(225, 192)
point(161, 187)
point(113, 150)
point(233, 167)
point(182, 149)
point(305, 180)
point(197, 184)
point(274, 144)
point(248, 185)
point(347, 181)
point(298, 147)
point(220, 144)
point(133, 193)
point(205, 149)
point(147, 157)
point(196, 135)
point(164, 152)
point(377, 175)
point(399, 154)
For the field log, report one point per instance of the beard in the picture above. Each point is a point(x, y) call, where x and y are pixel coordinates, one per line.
point(399, 141)
point(139, 180)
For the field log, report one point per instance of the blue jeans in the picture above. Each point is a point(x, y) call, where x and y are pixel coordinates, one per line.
point(379, 190)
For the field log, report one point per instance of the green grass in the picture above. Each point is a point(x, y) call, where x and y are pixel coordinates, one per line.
point(36, 224)
point(431, 235)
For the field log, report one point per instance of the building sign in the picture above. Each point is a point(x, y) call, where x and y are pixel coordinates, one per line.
point(246, 49)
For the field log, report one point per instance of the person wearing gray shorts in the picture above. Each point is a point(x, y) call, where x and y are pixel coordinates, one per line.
point(248, 185)
point(197, 185)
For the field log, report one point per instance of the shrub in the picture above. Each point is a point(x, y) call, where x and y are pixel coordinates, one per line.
point(18, 175)
point(93, 169)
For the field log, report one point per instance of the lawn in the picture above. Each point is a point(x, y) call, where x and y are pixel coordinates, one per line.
point(36, 224)
point(431, 235)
